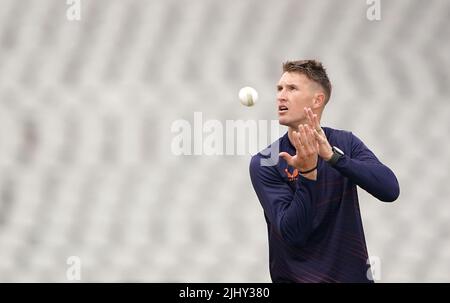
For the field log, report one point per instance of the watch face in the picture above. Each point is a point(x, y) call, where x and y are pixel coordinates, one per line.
point(338, 150)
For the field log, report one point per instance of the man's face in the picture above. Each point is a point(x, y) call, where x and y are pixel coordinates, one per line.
point(295, 92)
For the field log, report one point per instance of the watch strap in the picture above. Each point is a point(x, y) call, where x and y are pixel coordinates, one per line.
point(335, 157)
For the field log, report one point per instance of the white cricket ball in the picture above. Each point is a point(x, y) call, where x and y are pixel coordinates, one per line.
point(248, 96)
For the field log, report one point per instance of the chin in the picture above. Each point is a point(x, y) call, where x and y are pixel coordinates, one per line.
point(289, 124)
point(282, 122)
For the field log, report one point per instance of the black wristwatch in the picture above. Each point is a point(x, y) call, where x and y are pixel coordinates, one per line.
point(337, 154)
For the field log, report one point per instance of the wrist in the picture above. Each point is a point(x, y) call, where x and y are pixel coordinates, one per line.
point(336, 155)
point(328, 155)
point(308, 173)
point(304, 171)
point(311, 175)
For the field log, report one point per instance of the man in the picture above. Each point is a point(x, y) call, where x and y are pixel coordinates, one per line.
point(309, 197)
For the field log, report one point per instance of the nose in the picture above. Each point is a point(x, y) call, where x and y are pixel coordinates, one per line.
point(281, 95)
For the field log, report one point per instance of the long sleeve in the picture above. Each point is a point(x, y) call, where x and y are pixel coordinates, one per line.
point(290, 212)
point(364, 169)
point(315, 227)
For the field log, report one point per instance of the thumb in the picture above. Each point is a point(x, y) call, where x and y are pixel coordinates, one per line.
point(286, 157)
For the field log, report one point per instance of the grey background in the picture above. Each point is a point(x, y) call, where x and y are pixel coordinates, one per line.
point(85, 114)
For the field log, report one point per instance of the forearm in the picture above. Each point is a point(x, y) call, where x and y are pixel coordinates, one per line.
point(290, 212)
point(374, 177)
point(295, 223)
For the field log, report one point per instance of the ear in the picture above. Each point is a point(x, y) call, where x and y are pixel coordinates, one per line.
point(319, 100)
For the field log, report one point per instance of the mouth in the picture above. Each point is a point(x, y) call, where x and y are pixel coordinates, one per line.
point(282, 109)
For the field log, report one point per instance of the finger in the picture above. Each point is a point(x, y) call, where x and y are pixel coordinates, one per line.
point(304, 135)
point(313, 135)
point(319, 137)
point(304, 143)
point(301, 151)
point(313, 140)
point(308, 116)
point(317, 123)
point(297, 143)
point(309, 135)
point(297, 135)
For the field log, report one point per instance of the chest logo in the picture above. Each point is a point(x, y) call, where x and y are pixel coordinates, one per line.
point(293, 176)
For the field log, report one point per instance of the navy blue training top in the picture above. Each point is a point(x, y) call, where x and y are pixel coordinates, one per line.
point(315, 227)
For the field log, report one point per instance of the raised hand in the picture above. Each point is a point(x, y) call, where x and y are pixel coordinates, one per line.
point(306, 147)
point(324, 147)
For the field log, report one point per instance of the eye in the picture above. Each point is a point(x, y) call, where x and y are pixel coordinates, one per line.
point(279, 88)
